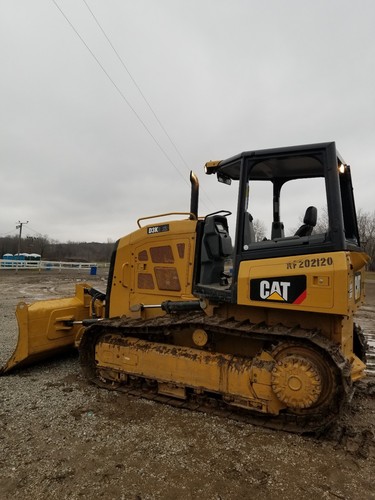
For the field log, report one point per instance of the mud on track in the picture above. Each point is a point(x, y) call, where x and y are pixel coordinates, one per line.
point(62, 438)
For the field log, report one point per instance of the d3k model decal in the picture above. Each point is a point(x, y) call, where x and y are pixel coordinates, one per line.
point(290, 289)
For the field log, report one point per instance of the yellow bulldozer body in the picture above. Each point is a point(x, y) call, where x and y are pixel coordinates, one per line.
point(266, 326)
point(151, 269)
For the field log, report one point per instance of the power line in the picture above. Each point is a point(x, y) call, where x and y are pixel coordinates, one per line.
point(136, 85)
point(120, 92)
point(29, 228)
point(141, 93)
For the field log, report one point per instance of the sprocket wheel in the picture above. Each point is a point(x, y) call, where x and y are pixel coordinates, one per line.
point(302, 378)
point(296, 382)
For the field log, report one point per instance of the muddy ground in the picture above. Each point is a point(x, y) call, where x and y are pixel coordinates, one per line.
point(61, 438)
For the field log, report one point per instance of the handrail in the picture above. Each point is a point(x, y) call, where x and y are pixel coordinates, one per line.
point(190, 214)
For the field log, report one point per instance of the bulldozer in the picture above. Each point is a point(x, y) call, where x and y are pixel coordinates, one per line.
point(257, 327)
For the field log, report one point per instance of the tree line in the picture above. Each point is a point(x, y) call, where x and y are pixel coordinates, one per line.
point(56, 251)
point(101, 252)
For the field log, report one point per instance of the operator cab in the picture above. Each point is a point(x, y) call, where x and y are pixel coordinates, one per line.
point(327, 224)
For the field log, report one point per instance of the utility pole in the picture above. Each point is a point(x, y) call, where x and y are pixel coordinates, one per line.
point(19, 226)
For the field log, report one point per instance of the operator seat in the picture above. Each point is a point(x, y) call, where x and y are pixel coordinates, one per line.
point(216, 248)
point(309, 222)
point(248, 231)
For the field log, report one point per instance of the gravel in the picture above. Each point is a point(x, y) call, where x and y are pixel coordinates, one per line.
point(62, 438)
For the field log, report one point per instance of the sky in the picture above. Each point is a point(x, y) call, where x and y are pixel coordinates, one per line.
point(105, 106)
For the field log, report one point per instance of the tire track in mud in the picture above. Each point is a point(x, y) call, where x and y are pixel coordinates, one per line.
point(41, 289)
point(366, 319)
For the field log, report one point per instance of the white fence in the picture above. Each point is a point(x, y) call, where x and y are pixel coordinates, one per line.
point(45, 265)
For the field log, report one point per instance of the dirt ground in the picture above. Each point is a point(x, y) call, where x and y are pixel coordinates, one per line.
point(61, 438)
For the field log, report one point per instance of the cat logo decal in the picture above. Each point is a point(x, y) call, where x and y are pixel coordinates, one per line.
point(289, 289)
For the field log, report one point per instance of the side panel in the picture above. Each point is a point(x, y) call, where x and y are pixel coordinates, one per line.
point(153, 265)
point(322, 283)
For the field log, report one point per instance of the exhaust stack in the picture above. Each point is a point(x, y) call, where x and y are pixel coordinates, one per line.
point(194, 195)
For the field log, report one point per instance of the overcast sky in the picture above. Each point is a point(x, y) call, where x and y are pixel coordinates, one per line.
point(82, 155)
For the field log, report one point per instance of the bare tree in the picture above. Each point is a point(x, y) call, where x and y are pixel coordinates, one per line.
point(322, 222)
point(366, 228)
point(101, 252)
point(259, 229)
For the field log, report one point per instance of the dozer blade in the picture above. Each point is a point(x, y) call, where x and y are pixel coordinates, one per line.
point(45, 328)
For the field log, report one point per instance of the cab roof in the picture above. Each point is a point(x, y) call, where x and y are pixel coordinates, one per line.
point(285, 163)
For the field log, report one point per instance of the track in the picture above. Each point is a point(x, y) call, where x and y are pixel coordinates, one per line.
point(310, 420)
